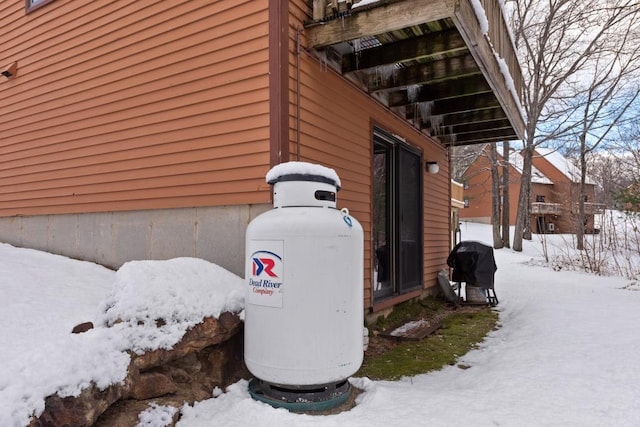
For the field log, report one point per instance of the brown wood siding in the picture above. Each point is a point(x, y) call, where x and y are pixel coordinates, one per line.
point(478, 192)
point(134, 105)
point(279, 80)
point(336, 122)
point(478, 178)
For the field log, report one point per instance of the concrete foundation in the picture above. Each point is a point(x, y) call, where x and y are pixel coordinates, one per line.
point(112, 238)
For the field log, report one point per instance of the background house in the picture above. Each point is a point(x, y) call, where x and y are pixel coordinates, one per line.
point(144, 129)
point(457, 203)
point(554, 192)
point(566, 191)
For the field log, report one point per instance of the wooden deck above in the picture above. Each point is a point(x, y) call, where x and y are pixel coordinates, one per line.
point(440, 64)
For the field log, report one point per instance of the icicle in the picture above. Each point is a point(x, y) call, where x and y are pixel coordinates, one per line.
point(324, 62)
point(384, 73)
point(356, 50)
point(425, 110)
point(412, 93)
point(356, 45)
point(436, 122)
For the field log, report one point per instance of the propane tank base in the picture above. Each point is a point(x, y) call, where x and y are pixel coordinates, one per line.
point(301, 399)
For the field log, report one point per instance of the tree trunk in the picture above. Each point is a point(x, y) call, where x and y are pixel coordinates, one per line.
point(580, 220)
point(559, 57)
point(524, 200)
point(527, 207)
point(495, 197)
point(505, 195)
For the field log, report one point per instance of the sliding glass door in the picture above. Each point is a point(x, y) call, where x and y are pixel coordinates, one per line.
point(397, 216)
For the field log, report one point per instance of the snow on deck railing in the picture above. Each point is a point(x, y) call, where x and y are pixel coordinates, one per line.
point(501, 22)
point(481, 16)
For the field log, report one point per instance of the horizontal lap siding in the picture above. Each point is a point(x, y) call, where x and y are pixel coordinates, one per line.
point(336, 120)
point(436, 201)
point(129, 105)
point(479, 188)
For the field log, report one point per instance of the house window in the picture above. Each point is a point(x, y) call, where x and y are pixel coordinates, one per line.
point(397, 216)
point(31, 5)
point(466, 202)
point(540, 199)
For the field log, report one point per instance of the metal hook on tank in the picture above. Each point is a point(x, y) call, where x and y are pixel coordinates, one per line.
point(346, 217)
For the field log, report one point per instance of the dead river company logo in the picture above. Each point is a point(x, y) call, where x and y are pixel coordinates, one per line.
point(265, 279)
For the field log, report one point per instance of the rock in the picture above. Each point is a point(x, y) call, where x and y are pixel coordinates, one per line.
point(209, 355)
point(209, 332)
point(82, 327)
point(82, 410)
point(152, 384)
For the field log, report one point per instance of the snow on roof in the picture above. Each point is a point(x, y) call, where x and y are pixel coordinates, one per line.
point(537, 177)
point(302, 168)
point(562, 164)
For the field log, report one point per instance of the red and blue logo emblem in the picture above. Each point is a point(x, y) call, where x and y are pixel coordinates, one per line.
point(264, 263)
point(265, 271)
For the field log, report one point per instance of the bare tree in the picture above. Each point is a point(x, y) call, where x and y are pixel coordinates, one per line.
point(461, 157)
point(628, 148)
point(495, 196)
point(608, 98)
point(610, 172)
point(556, 40)
point(506, 214)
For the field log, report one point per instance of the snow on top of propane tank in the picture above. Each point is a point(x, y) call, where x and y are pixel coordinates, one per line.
point(302, 168)
point(153, 303)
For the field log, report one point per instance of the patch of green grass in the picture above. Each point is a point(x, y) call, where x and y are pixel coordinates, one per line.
point(461, 331)
point(424, 308)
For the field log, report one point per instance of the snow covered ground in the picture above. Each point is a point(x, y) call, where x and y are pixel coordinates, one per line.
point(565, 354)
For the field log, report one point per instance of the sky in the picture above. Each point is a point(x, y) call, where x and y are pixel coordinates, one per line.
point(564, 354)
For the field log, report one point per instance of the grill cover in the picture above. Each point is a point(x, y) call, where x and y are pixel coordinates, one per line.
point(473, 263)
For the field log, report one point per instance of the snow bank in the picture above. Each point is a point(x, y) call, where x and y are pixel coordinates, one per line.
point(153, 303)
point(43, 296)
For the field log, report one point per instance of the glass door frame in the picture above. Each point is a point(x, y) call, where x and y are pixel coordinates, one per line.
point(394, 256)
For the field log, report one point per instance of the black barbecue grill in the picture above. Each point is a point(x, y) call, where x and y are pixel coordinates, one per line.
point(473, 264)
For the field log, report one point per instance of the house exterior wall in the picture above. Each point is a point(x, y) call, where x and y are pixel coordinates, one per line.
point(566, 193)
point(336, 129)
point(144, 130)
point(135, 130)
point(477, 191)
point(129, 105)
point(544, 191)
point(562, 192)
point(544, 198)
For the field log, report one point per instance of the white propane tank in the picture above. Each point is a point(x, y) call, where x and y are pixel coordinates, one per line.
point(304, 276)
